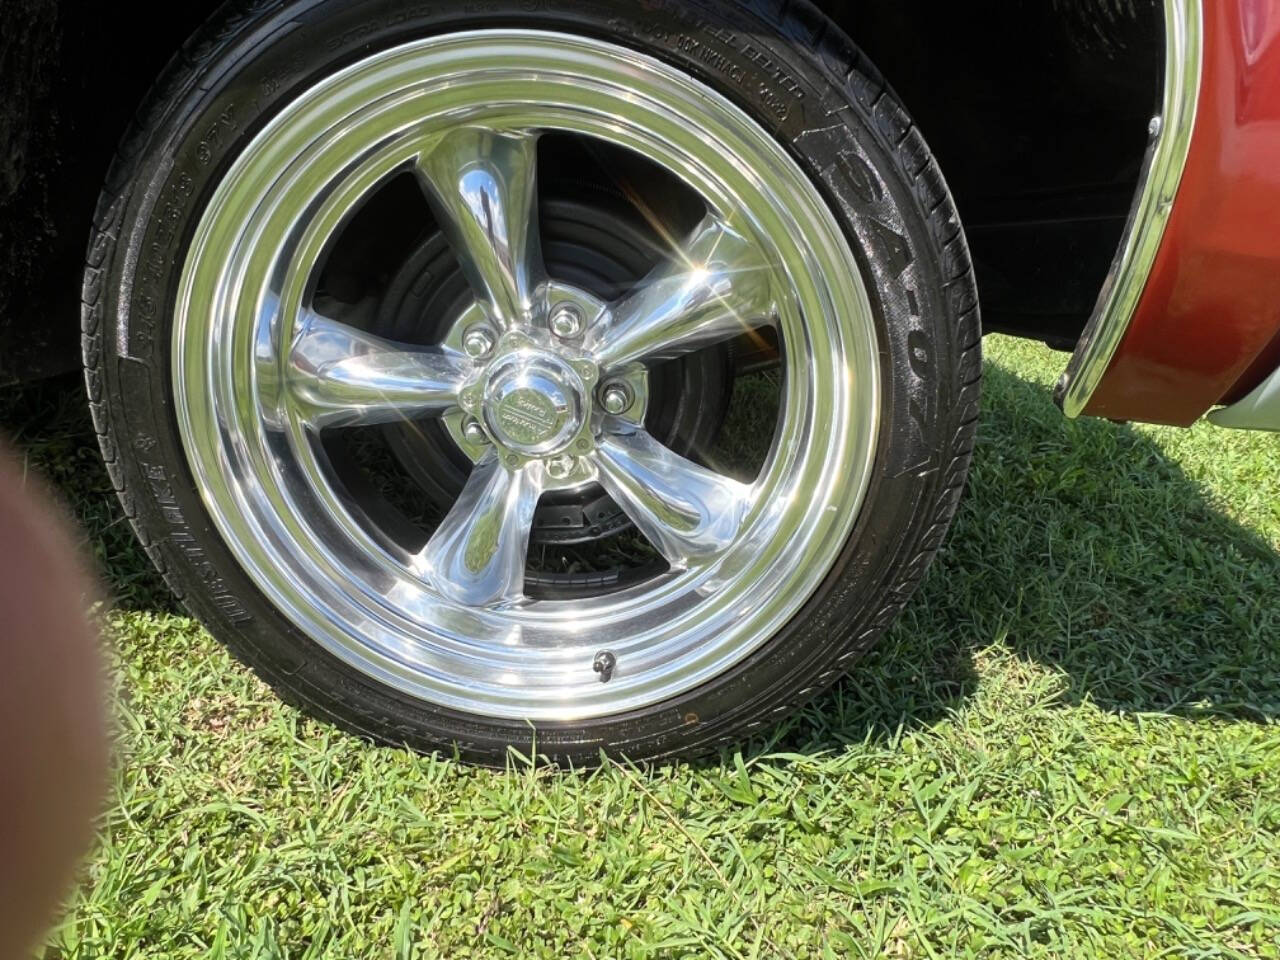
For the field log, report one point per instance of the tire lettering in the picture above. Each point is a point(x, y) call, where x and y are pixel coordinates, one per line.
point(892, 245)
point(918, 353)
point(695, 48)
point(162, 492)
point(862, 178)
point(215, 135)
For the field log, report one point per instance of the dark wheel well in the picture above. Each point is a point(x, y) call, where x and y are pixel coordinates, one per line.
point(1041, 142)
point(1037, 111)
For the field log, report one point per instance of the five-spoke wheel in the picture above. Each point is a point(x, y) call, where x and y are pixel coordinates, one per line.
point(517, 375)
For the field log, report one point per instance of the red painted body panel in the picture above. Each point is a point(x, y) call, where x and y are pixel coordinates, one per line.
point(1207, 329)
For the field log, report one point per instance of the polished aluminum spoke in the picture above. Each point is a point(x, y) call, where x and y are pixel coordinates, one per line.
point(714, 286)
point(340, 376)
point(688, 512)
point(483, 186)
point(477, 554)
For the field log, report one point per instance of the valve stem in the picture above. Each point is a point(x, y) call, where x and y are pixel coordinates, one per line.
point(604, 664)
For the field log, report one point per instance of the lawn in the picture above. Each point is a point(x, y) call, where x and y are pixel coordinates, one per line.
point(1068, 746)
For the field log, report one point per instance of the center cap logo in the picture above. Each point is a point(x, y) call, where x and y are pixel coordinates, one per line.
point(527, 416)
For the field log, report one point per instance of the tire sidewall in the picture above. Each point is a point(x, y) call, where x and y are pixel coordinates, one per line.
point(849, 139)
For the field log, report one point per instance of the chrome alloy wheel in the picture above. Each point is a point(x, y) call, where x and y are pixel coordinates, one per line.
point(543, 402)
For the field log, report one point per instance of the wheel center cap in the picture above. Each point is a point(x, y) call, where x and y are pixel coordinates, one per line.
point(529, 416)
point(533, 402)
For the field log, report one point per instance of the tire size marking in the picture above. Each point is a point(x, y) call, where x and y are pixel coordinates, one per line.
point(218, 592)
point(219, 128)
point(693, 47)
point(139, 324)
point(779, 91)
point(776, 89)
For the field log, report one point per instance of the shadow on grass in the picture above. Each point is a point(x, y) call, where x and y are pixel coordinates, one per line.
point(1079, 545)
point(1082, 547)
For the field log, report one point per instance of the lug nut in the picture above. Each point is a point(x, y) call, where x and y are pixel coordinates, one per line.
point(567, 321)
point(616, 398)
point(561, 467)
point(474, 432)
point(478, 342)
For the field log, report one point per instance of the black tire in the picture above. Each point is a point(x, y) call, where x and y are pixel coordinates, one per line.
point(805, 82)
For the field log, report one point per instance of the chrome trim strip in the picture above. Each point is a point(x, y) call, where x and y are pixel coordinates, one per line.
point(1260, 410)
point(1162, 174)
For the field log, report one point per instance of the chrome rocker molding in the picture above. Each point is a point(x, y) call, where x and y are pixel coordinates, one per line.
point(1162, 174)
point(1260, 410)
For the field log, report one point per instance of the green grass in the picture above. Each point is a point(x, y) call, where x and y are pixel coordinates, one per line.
point(1067, 747)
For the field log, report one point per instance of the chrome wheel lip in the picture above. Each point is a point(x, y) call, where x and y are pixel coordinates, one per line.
point(311, 558)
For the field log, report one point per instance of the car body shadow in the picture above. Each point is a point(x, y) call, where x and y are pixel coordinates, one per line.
point(1080, 546)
